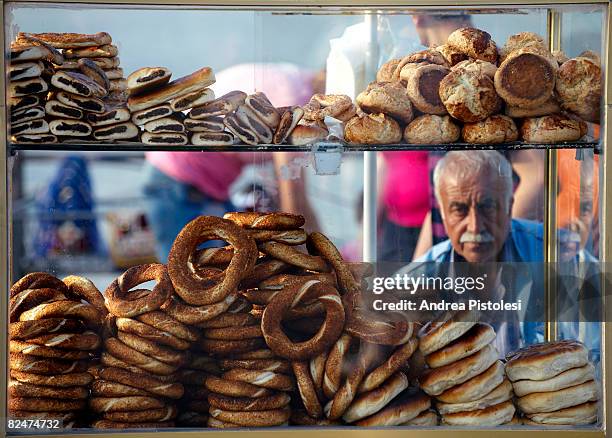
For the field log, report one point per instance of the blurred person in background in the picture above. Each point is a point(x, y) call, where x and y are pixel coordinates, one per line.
point(180, 186)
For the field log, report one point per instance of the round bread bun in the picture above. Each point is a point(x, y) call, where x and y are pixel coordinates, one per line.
point(437, 334)
point(492, 416)
point(572, 377)
point(424, 419)
point(559, 56)
point(438, 380)
point(500, 394)
point(477, 66)
point(390, 98)
point(468, 96)
point(579, 88)
point(551, 106)
point(539, 402)
point(405, 407)
point(307, 134)
point(591, 55)
point(494, 129)
point(475, 43)
point(372, 129)
point(452, 55)
point(515, 79)
point(424, 88)
point(518, 41)
point(432, 129)
point(475, 339)
point(477, 387)
point(410, 63)
point(551, 129)
point(386, 72)
point(585, 413)
point(545, 360)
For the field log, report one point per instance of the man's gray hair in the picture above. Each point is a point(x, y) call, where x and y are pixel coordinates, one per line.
point(462, 164)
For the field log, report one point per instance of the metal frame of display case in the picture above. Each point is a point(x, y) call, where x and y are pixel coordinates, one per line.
point(604, 148)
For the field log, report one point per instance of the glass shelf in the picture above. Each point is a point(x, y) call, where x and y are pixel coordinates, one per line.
point(319, 147)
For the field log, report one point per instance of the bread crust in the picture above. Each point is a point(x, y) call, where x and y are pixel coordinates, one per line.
point(452, 55)
point(551, 106)
point(579, 88)
point(390, 98)
point(495, 415)
point(468, 96)
point(571, 377)
point(424, 88)
point(494, 129)
point(541, 402)
point(386, 72)
point(545, 360)
point(518, 41)
point(406, 407)
point(67, 40)
point(103, 51)
point(441, 332)
point(475, 43)
point(197, 80)
point(306, 134)
point(514, 79)
point(432, 129)
point(500, 394)
point(372, 129)
point(585, 413)
point(550, 129)
point(477, 387)
point(474, 340)
point(477, 66)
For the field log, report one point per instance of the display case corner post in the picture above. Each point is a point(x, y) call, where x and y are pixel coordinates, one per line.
point(4, 232)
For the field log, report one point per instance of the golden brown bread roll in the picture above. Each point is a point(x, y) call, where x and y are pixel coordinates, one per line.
point(410, 62)
point(492, 130)
point(475, 43)
point(431, 129)
point(386, 72)
point(468, 96)
point(579, 88)
point(306, 134)
point(551, 106)
point(518, 41)
point(390, 98)
point(452, 55)
point(424, 88)
point(550, 129)
point(525, 79)
point(372, 129)
point(477, 66)
point(559, 56)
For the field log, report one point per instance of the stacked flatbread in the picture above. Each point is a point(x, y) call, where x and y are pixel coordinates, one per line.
point(555, 383)
point(465, 376)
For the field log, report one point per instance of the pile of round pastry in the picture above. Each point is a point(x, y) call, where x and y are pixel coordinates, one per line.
point(312, 127)
point(86, 89)
point(53, 334)
point(465, 376)
point(469, 89)
point(136, 385)
point(554, 384)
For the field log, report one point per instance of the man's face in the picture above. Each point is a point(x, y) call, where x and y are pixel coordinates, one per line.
point(476, 215)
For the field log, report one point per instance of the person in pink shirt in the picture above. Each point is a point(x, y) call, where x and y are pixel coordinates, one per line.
point(183, 185)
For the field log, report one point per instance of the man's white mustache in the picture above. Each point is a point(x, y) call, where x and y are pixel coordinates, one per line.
point(484, 237)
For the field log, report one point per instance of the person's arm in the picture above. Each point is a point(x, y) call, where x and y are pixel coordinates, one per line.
point(529, 195)
point(292, 192)
point(425, 241)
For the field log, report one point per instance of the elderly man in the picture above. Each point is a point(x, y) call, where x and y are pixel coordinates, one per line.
point(474, 191)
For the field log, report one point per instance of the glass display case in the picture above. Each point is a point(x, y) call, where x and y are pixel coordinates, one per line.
point(422, 247)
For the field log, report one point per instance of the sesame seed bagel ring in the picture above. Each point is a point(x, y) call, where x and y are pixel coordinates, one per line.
point(288, 298)
point(341, 401)
point(106, 388)
point(373, 401)
point(164, 414)
point(332, 378)
point(233, 388)
point(306, 388)
point(107, 424)
point(122, 404)
point(82, 288)
point(368, 326)
point(272, 417)
point(393, 364)
point(29, 298)
point(141, 381)
point(42, 351)
point(65, 309)
point(60, 380)
point(275, 365)
point(116, 299)
point(265, 379)
point(25, 330)
point(275, 401)
point(234, 333)
point(288, 237)
point(37, 404)
point(151, 333)
point(280, 281)
point(265, 268)
point(259, 296)
point(166, 323)
point(46, 366)
point(74, 341)
point(19, 389)
point(294, 257)
point(216, 257)
point(229, 320)
point(109, 360)
point(218, 424)
point(317, 372)
point(229, 348)
point(133, 357)
point(64, 417)
point(301, 418)
point(256, 354)
point(192, 315)
point(196, 290)
point(152, 349)
point(323, 246)
point(37, 280)
point(266, 221)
